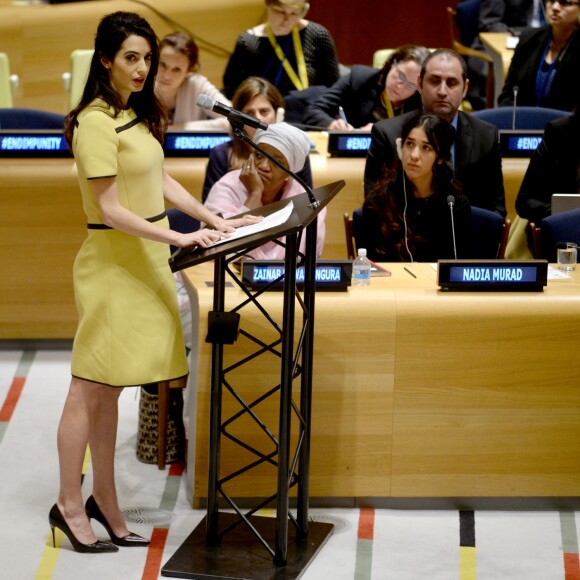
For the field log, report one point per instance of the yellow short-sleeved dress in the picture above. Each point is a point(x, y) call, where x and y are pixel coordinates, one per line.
point(129, 329)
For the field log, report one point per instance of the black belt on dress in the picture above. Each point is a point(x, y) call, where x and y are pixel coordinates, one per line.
point(155, 218)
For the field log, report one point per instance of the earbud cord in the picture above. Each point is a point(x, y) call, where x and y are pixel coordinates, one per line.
point(405, 218)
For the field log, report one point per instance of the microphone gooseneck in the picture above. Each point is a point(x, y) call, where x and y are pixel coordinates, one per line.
point(235, 117)
point(451, 204)
point(237, 120)
point(516, 90)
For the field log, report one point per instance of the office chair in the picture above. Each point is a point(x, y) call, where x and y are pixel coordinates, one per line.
point(525, 117)
point(380, 57)
point(75, 80)
point(12, 118)
point(489, 234)
point(552, 231)
point(8, 82)
point(464, 27)
point(352, 227)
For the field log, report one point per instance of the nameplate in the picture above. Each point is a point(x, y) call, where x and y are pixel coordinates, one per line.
point(492, 275)
point(519, 143)
point(330, 274)
point(348, 143)
point(33, 143)
point(193, 143)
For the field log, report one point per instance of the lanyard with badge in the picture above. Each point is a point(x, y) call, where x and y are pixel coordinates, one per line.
point(300, 80)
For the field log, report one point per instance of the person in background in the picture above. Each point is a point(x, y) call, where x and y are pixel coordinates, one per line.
point(367, 95)
point(546, 60)
point(260, 182)
point(178, 86)
point(129, 333)
point(406, 217)
point(476, 157)
point(513, 16)
point(257, 97)
point(288, 50)
point(510, 15)
point(554, 168)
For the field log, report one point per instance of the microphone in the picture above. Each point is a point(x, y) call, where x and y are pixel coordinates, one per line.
point(516, 90)
point(451, 203)
point(235, 117)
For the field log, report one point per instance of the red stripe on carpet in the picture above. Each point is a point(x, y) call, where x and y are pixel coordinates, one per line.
point(12, 399)
point(176, 469)
point(366, 524)
point(571, 567)
point(155, 554)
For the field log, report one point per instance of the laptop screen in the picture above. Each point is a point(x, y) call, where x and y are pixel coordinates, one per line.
point(562, 202)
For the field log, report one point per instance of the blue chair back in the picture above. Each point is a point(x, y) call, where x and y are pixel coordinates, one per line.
point(467, 19)
point(181, 222)
point(558, 229)
point(526, 117)
point(13, 118)
point(488, 233)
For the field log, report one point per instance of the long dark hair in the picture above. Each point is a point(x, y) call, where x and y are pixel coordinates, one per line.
point(386, 201)
point(112, 31)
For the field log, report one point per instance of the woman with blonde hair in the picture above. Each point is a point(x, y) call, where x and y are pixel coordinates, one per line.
point(291, 52)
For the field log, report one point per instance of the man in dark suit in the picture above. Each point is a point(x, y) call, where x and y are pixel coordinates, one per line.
point(476, 154)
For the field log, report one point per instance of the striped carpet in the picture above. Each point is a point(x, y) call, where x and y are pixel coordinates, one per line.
point(367, 544)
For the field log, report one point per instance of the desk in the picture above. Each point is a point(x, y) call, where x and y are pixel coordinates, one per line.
point(418, 393)
point(496, 45)
point(42, 226)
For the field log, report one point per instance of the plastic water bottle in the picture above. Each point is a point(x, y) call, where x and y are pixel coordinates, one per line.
point(361, 269)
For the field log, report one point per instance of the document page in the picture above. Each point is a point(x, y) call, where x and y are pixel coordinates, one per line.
point(273, 220)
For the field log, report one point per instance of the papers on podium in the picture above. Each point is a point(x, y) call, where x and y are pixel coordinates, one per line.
point(271, 221)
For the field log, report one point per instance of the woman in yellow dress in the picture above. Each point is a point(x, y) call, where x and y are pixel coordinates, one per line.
point(129, 330)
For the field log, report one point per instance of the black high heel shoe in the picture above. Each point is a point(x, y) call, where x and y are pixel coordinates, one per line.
point(56, 520)
point(130, 540)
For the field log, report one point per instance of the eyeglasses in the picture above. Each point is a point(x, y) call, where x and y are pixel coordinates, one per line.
point(563, 3)
point(403, 79)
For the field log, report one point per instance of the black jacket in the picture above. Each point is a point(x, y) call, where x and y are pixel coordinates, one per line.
point(358, 93)
point(565, 91)
point(554, 168)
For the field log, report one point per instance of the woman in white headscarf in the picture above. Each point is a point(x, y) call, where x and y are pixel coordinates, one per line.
point(260, 182)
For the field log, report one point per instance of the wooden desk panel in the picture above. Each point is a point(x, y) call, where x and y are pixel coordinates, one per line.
point(484, 403)
point(430, 394)
point(352, 395)
point(43, 225)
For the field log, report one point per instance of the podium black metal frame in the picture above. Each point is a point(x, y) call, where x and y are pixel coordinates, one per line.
point(231, 550)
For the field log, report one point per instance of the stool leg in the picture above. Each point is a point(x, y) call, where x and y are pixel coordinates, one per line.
point(162, 420)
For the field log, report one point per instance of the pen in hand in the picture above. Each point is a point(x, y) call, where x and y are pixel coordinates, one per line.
point(342, 115)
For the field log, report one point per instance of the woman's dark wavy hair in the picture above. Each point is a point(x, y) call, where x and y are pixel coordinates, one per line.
point(112, 31)
point(385, 201)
